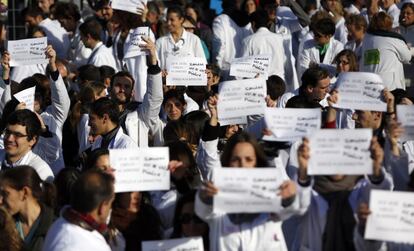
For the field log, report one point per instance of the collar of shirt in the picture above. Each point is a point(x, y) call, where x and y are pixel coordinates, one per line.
point(183, 37)
point(98, 45)
point(22, 161)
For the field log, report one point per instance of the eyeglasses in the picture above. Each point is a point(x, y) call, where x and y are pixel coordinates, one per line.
point(187, 218)
point(15, 134)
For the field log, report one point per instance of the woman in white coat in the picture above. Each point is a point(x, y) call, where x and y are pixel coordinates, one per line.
point(384, 52)
point(259, 231)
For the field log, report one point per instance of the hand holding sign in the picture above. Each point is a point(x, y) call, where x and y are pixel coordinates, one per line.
point(5, 63)
point(151, 48)
point(51, 55)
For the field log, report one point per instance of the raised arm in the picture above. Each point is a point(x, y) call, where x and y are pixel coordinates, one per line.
point(60, 98)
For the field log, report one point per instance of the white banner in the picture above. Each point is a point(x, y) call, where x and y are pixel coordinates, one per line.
point(247, 190)
point(134, 40)
point(336, 151)
point(240, 98)
point(131, 6)
point(392, 217)
point(27, 96)
point(291, 124)
point(360, 91)
point(27, 51)
point(405, 115)
point(250, 67)
point(185, 71)
point(183, 244)
point(143, 169)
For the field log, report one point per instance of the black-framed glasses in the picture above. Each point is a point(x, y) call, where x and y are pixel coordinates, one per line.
point(187, 218)
point(8, 132)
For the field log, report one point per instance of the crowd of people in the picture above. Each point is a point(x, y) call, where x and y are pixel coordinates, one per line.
point(56, 180)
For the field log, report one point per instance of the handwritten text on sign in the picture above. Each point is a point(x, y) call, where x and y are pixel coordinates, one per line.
point(392, 217)
point(133, 42)
point(335, 151)
point(405, 115)
point(247, 190)
point(250, 67)
point(131, 6)
point(186, 71)
point(360, 91)
point(144, 169)
point(291, 124)
point(27, 51)
point(241, 98)
point(183, 244)
point(27, 96)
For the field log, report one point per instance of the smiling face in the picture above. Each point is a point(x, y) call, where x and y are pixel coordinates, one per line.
point(16, 141)
point(407, 16)
point(174, 22)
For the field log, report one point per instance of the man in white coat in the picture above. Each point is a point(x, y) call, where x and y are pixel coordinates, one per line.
point(265, 42)
point(104, 123)
point(90, 32)
point(82, 225)
point(20, 136)
point(322, 49)
point(55, 33)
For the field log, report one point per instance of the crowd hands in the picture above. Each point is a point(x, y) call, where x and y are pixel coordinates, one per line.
point(57, 181)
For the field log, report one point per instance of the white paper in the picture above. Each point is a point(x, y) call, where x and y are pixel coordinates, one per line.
point(233, 121)
point(183, 244)
point(249, 67)
point(336, 151)
point(360, 91)
point(239, 98)
point(131, 6)
point(405, 115)
point(392, 217)
point(291, 124)
point(27, 51)
point(134, 40)
point(185, 71)
point(143, 169)
point(247, 190)
point(27, 96)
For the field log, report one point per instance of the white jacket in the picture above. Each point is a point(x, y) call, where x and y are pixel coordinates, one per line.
point(385, 56)
point(121, 141)
point(102, 55)
point(65, 236)
point(266, 42)
point(33, 160)
point(310, 53)
point(78, 53)
point(57, 36)
point(188, 45)
point(394, 12)
point(227, 40)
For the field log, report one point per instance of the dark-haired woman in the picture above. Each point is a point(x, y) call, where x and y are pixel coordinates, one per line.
point(29, 200)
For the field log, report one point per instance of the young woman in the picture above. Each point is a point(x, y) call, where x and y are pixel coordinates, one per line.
point(177, 42)
point(29, 200)
point(406, 29)
point(238, 231)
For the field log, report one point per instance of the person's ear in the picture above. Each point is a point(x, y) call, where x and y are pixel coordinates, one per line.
point(25, 192)
point(32, 141)
point(105, 118)
point(309, 89)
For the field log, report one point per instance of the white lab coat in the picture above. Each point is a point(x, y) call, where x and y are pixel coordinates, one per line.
point(310, 53)
point(227, 41)
point(188, 45)
point(18, 73)
point(33, 160)
point(266, 42)
point(137, 66)
point(341, 32)
point(391, 54)
point(78, 53)
point(65, 236)
point(102, 55)
point(121, 141)
point(394, 12)
point(408, 34)
point(57, 36)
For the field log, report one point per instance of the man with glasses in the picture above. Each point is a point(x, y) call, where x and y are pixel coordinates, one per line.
point(20, 136)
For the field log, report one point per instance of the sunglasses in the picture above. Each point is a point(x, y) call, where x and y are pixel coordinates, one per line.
point(187, 218)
